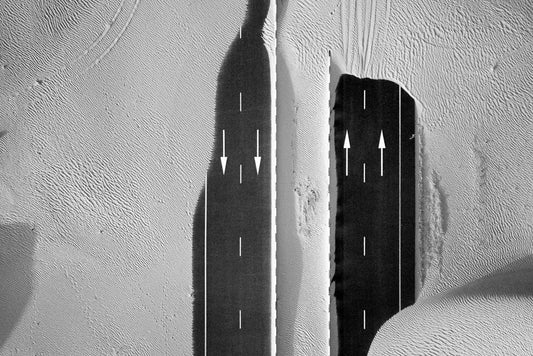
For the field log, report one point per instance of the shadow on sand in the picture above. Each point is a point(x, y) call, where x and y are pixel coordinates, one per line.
point(245, 67)
point(17, 244)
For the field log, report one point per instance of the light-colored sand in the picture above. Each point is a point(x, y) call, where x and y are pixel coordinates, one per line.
point(468, 66)
point(108, 109)
point(491, 316)
point(106, 122)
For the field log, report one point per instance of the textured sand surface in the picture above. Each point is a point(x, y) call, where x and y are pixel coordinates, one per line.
point(491, 316)
point(468, 66)
point(302, 225)
point(107, 119)
point(106, 127)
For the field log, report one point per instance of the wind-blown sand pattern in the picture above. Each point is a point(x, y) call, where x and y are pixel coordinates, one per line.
point(102, 155)
point(461, 63)
point(107, 125)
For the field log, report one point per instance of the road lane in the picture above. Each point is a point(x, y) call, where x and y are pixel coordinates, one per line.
point(232, 227)
point(374, 235)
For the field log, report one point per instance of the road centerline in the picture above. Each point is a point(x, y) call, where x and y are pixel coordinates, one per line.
point(382, 207)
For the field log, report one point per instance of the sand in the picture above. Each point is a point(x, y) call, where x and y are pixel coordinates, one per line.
point(108, 114)
point(467, 65)
point(106, 129)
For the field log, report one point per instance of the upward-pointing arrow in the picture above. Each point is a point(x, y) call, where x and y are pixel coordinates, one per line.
point(346, 147)
point(381, 146)
point(223, 159)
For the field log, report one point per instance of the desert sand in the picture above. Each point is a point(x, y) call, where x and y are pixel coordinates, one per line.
point(107, 114)
point(106, 131)
point(467, 66)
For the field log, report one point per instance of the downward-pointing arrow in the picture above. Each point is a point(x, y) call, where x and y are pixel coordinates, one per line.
point(381, 146)
point(257, 158)
point(346, 147)
point(223, 159)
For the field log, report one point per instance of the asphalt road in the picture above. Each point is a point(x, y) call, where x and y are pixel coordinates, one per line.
point(232, 246)
point(375, 221)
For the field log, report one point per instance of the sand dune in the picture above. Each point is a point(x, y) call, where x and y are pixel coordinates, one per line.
point(107, 127)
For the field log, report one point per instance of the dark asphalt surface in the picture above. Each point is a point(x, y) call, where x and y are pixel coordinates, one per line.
point(237, 283)
point(370, 284)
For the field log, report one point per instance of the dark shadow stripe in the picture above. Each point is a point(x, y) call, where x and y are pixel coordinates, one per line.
point(17, 245)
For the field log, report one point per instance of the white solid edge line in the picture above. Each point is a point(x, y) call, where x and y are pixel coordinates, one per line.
point(399, 197)
point(273, 67)
point(328, 202)
point(205, 267)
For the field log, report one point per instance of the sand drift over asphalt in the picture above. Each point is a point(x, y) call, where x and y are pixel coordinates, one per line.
point(460, 63)
point(374, 131)
point(108, 126)
point(490, 316)
point(232, 233)
point(107, 110)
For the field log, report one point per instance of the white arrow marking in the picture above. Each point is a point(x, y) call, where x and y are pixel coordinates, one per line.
point(257, 158)
point(381, 146)
point(346, 147)
point(223, 159)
